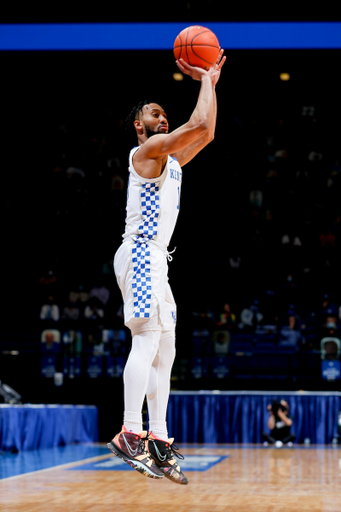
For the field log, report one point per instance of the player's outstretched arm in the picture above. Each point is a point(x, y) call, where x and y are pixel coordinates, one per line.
point(184, 156)
point(166, 144)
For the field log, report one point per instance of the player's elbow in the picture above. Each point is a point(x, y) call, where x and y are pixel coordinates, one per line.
point(201, 126)
point(210, 136)
point(204, 125)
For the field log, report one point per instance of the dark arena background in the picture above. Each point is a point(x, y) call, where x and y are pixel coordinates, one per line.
point(256, 273)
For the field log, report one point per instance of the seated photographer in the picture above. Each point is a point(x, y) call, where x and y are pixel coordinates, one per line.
point(279, 423)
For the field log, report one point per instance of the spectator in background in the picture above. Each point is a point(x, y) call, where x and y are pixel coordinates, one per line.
point(250, 317)
point(50, 310)
point(72, 342)
point(94, 343)
point(290, 334)
point(101, 292)
point(227, 319)
point(221, 341)
point(50, 340)
point(79, 295)
point(330, 328)
point(94, 309)
point(71, 311)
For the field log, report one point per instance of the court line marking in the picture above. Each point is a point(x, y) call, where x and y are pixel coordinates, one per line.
point(60, 466)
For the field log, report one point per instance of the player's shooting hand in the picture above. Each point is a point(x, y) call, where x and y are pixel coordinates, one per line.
point(192, 71)
point(215, 70)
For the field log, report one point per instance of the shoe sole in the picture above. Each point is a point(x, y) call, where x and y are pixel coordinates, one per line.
point(179, 482)
point(135, 464)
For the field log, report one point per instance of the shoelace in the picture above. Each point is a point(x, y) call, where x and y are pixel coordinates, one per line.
point(142, 445)
point(173, 449)
point(170, 450)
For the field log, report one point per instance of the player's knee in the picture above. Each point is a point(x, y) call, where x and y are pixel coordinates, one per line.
point(167, 347)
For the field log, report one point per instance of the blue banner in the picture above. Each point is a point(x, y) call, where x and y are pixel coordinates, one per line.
point(161, 36)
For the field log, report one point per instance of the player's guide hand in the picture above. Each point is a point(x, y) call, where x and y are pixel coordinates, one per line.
point(197, 73)
point(192, 71)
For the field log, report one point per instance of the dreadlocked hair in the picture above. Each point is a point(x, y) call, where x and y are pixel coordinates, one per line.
point(134, 114)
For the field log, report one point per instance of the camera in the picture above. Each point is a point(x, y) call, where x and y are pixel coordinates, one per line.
point(275, 406)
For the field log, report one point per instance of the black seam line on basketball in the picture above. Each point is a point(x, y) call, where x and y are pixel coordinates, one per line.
point(203, 32)
point(196, 35)
point(187, 45)
point(204, 60)
point(181, 45)
point(208, 45)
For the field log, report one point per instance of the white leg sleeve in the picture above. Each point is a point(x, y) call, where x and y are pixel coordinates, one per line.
point(145, 344)
point(159, 385)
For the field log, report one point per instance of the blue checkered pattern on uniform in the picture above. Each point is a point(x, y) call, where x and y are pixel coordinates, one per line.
point(142, 286)
point(150, 206)
point(141, 280)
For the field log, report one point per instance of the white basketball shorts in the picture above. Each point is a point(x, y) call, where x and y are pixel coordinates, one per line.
point(141, 271)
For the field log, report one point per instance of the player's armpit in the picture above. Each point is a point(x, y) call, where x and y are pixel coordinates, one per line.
point(185, 155)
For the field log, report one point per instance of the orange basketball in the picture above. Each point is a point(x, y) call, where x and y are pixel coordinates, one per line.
point(198, 46)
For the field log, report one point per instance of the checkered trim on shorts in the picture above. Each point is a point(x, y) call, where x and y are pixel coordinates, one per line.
point(150, 205)
point(142, 286)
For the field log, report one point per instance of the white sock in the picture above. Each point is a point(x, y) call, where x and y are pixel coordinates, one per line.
point(159, 429)
point(133, 421)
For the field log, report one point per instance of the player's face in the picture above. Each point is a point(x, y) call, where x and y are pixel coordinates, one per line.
point(154, 120)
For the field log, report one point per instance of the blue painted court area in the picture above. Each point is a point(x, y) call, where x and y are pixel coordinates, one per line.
point(13, 464)
point(190, 463)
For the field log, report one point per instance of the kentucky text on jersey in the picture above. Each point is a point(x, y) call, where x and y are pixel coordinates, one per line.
point(176, 175)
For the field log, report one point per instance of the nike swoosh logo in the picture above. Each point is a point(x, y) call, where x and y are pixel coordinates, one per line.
point(161, 457)
point(132, 452)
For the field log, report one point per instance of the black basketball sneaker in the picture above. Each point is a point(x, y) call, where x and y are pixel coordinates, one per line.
point(163, 454)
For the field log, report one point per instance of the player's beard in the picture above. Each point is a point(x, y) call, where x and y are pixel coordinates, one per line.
point(151, 131)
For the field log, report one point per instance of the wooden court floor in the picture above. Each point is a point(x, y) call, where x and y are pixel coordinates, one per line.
point(245, 479)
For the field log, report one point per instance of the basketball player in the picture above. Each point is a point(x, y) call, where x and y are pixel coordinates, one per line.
point(141, 268)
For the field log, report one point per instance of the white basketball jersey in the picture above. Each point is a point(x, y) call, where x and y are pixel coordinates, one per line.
point(153, 204)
